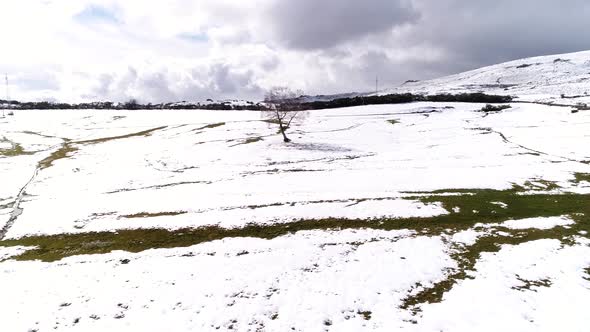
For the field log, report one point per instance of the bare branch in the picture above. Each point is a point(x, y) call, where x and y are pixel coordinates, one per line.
point(283, 106)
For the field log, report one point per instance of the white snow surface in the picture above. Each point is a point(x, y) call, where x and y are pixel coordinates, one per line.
point(467, 237)
point(9, 252)
point(538, 223)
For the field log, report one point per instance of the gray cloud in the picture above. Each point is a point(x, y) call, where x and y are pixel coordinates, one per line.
point(477, 33)
point(360, 40)
point(454, 35)
point(217, 81)
point(312, 24)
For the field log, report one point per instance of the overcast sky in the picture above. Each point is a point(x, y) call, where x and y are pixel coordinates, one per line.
point(81, 50)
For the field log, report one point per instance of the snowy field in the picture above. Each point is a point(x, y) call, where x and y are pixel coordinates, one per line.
point(422, 217)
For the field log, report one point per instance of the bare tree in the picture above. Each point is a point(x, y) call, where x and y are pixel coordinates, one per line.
point(283, 107)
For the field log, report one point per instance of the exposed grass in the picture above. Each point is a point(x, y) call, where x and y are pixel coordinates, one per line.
point(492, 109)
point(152, 215)
point(531, 285)
point(159, 186)
point(366, 314)
point(15, 149)
point(28, 132)
point(253, 140)
point(479, 205)
point(66, 150)
point(249, 141)
point(541, 184)
point(210, 126)
point(287, 170)
point(112, 138)
point(579, 177)
point(393, 121)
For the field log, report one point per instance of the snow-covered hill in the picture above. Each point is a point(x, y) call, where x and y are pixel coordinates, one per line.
point(540, 79)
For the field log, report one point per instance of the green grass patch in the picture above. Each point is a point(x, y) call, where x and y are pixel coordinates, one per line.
point(479, 205)
point(493, 109)
point(28, 132)
point(152, 215)
point(366, 314)
point(66, 151)
point(393, 121)
point(531, 285)
point(249, 141)
point(579, 177)
point(113, 138)
point(15, 149)
point(541, 185)
point(474, 206)
point(253, 140)
point(210, 126)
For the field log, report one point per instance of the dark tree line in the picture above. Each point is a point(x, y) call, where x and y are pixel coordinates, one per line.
point(130, 105)
point(222, 106)
point(408, 98)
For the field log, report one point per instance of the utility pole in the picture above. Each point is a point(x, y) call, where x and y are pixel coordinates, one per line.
point(7, 91)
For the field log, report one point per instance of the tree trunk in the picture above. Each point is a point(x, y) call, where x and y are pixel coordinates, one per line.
point(285, 138)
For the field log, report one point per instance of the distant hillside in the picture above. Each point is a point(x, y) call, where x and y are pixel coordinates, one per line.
point(560, 79)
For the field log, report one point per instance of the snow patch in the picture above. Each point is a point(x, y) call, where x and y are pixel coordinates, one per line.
point(467, 237)
point(538, 223)
point(8, 252)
